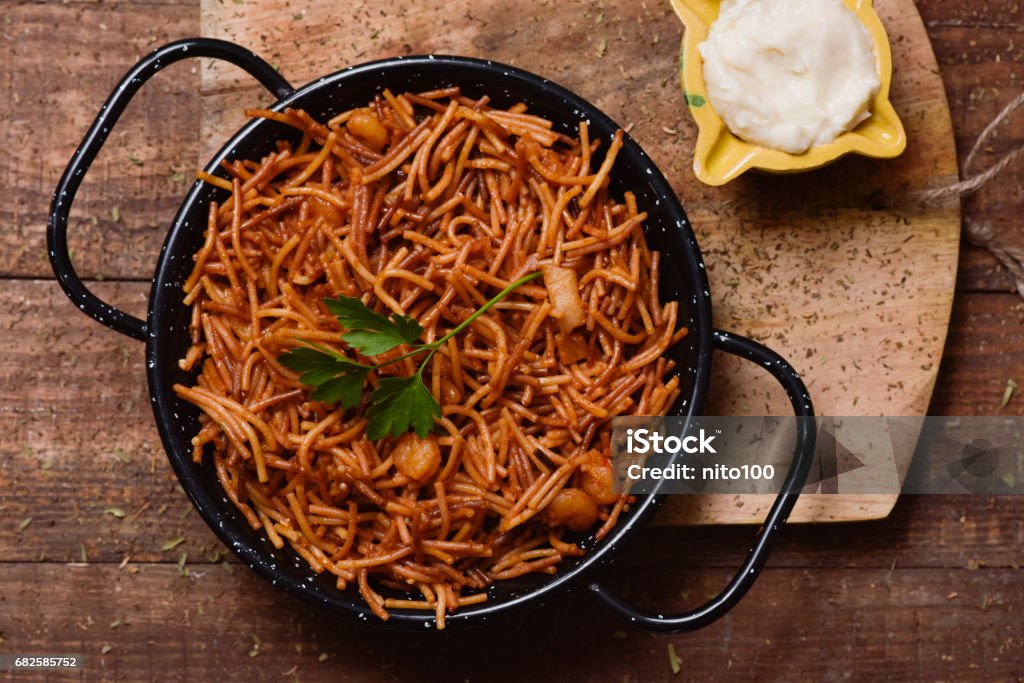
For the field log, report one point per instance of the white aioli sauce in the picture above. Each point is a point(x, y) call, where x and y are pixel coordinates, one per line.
point(789, 74)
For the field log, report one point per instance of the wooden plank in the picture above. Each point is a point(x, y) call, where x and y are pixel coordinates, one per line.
point(73, 404)
point(996, 13)
point(979, 271)
point(119, 4)
point(880, 624)
point(147, 196)
point(922, 531)
point(984, 350)
point(49, 101)
point(73, 408)
point(982, 73)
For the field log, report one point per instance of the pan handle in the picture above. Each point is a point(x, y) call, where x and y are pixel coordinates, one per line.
point(776, 519)
point(146, 68)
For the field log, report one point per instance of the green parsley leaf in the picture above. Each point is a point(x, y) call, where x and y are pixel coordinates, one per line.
point(397, 404)
point(335, 377)
point(369, 332)
point(373, 342)
point(347, 387)
point(316, 366)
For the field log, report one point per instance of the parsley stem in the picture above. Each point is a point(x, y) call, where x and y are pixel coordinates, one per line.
point(432, 347)
point(483, 309)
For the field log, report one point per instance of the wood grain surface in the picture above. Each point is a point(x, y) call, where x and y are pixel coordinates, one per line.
point(842, 270)
point(931, 593)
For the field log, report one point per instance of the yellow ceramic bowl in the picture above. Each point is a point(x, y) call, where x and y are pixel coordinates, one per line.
point(721, 156)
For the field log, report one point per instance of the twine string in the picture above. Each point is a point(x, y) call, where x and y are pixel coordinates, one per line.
point(973, 183)
point(981, 233)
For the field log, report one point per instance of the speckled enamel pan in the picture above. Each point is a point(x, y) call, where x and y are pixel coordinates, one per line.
point(165, 330)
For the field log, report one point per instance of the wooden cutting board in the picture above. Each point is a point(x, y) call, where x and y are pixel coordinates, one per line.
point(841, 269)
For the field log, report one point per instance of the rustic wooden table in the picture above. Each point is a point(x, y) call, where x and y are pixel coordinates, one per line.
point(101, 553)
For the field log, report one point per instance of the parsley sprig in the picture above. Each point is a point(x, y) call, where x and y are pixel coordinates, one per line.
point(398, 403)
